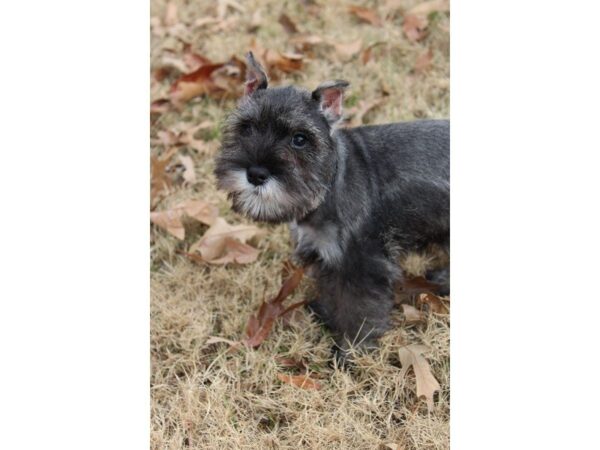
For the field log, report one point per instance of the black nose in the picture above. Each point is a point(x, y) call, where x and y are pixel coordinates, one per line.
point(257, 175)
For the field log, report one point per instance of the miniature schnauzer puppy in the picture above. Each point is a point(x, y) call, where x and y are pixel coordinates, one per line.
point(355, 198)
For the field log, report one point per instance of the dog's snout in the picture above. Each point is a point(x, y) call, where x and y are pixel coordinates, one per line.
point(257, 175)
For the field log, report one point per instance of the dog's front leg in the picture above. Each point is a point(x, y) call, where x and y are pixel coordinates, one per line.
point(355, 299)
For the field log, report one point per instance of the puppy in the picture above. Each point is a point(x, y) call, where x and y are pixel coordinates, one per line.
point(355, 198)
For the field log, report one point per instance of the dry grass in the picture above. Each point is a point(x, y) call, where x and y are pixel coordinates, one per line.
point(205, 397)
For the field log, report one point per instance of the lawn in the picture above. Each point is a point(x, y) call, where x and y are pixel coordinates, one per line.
point(205, 394)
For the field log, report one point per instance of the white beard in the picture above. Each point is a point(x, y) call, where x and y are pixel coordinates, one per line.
point(267, 201)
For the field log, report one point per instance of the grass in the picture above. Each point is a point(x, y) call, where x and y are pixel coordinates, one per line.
point(206, 397)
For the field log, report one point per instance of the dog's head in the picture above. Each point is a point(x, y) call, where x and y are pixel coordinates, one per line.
point(278, 157)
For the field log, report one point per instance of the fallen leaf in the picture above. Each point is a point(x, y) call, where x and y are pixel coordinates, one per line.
point(286, 62)
point(194, 84)
point(423, 61)
point(170, 61)
point(160, 178)
point(184, 134)
point(260, 324)
point(288, 24)
point(192, 60)
point(275, 61)
point(171, 14)
point(432, 303)
point(199, 210)
point(305, 42)
point(410, 355)
point(415, 27)
point(347, 51)
point(416, 21)
point(170, 220)
point(218, 245)
point(160, 106)
point(412, 314)
point(236, 252)
point(300, 381)
point(366, 15)
point(189, 173)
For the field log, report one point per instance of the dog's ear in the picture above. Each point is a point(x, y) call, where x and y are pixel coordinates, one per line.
point(256, 78)
point(330, 96)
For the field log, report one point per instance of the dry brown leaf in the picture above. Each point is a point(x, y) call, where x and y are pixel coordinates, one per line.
point(171, 14)
point(160, 106)
point(423, 61)
point(305, 42)
point(288, 24)
point(410, 355)
point(170, 220)
point(260, 324)
point(347, 51)
point(236, 252)
point(300, 381)
point(170, 61)
point(184, 134)
point(194, 84)
point(366, 15)
point(193, 61)
point(412, 314)
point(433, 303)
point(286, 62)
point(416, 21)
point(415, 27)
point(189, 173)
point(160, 178)
point(217, 246)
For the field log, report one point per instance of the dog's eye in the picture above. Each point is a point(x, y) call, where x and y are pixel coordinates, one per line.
point(299, 140)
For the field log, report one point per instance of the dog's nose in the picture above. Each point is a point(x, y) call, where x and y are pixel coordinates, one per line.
point(257, 175)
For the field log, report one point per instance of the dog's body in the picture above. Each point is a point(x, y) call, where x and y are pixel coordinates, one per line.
point(356, 198)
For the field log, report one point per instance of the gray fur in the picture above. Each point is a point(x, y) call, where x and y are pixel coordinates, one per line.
point(355, 198)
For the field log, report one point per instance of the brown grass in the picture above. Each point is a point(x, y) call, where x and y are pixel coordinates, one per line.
point(205, 397)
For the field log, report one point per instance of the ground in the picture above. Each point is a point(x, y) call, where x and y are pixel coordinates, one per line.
point(205, 396)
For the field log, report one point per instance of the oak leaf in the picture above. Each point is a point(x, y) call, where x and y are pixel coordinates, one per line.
point(300, 381)
point(348, 50)
point(412, 314)
point(218, 245)
point(416, 19)
point(432, 303)
point(411, 356)
point(366, 15)
point(288, 24)
point(160, 177)
point(260, 324)
point(170, 220)
point(189, 172)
